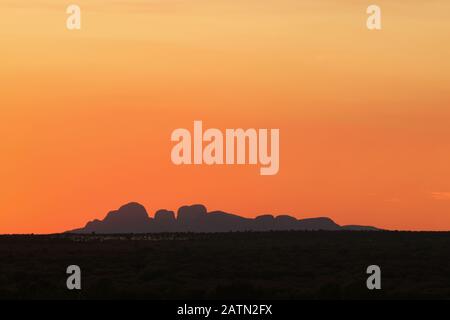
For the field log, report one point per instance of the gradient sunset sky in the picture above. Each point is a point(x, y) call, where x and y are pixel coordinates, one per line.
point(86, 116)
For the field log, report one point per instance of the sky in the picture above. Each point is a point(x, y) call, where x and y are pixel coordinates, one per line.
point(86, 116)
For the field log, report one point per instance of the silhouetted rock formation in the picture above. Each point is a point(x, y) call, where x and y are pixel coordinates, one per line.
point(130, 218)
point(313, 223)
point(165, 221)
point(133, 218)
point(192, 218)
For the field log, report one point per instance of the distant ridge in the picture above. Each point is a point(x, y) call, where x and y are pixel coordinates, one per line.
point(133, 218)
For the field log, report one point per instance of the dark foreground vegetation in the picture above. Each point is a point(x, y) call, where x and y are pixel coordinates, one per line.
point(266, 265)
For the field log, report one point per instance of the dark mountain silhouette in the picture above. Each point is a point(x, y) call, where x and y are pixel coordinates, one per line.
point(133, 218)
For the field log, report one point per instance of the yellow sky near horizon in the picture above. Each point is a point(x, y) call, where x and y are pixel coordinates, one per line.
point(86, 116)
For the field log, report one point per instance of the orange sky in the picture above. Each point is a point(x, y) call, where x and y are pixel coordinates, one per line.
point(86, 116)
